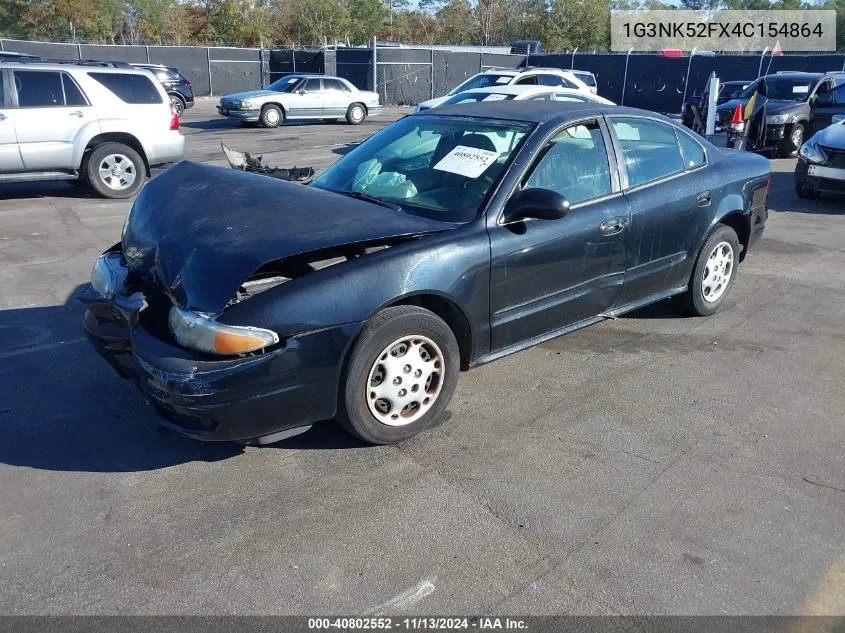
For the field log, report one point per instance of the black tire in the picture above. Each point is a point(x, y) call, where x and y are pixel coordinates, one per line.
point(178, 104)
point(789, 147)
point(693, 301)
point(272, 116)
point(387, 327)
point(802, 190)
point(114, 185)
point(356, 113)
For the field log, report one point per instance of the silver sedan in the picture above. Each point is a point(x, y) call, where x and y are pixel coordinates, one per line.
point(296, 97)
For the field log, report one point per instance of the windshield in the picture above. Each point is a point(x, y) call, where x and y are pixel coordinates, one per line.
point(285, 84)
point(441, 168)
point(484, 80)
point(475, 97)
point(783, 88)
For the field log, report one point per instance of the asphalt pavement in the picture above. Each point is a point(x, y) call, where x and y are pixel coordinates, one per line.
point(652, 464)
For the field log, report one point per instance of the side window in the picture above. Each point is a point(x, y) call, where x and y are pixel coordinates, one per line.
point(73, 95)
point(839, 94)
point(312, 85)
point(39, 89)
point(574, 163)
point(550, 80)
point(334, 85)
point(649, 148)
point(693, 153)
point(531, 80)
point(823, 94)
point(561, 96)
point(129, 88)
point(543, 97)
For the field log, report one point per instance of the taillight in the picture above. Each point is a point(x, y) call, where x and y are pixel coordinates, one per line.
point(190, 85)
point(174, 119)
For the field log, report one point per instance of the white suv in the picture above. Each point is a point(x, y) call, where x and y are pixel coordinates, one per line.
point(105, 124)
point(531, 76)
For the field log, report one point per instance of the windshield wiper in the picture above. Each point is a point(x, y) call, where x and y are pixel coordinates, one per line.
point(359, 195)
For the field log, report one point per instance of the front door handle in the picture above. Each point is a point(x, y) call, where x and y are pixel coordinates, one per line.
point(77, 113)
point(703, 199)
point(2, 117)
point(612, 226)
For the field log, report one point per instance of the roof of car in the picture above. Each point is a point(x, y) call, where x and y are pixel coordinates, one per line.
point(532, 111)
point(511, 89)
point(796, 74)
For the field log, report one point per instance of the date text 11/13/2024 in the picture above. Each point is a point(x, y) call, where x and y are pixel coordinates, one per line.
point(418, 623)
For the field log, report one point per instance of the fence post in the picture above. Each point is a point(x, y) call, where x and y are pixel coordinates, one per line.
point(78, 51)
point(572, 65)
point(1, 44)
point(147, 47)
point(431, 72)
point(686, 81)
point(625, 79)
point(481, 62)
point(760, 69)
point(293, 56)
point(375, 67)
point(208, 59)
point(261, 61)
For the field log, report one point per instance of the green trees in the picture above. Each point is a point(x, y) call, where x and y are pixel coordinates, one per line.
point(558, 24)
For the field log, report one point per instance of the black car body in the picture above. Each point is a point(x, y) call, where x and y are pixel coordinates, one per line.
point(821, 162)
point(727, 90)
point(482, 265)
point(797, 106)
point(179, 89)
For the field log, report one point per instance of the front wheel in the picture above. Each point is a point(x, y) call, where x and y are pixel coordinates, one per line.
point(356, 114)
point(714, 273)
point(271, 116)
point(400, 377)
point(789, 146)
point(114, 170)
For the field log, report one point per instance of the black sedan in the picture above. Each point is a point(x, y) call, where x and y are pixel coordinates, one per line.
point(247, 308)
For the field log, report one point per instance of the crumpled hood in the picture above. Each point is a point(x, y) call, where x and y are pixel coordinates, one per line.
point(832, 136)
point(200, 231)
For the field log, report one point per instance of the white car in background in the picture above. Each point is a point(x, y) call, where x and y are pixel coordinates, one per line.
point(524, 93)
point(588, 78)
point(531, 76)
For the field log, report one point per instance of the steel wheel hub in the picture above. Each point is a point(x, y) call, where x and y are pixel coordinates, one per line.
point(272, 116)
point(717, 272)
point(357, 114)
point(405, 380)
point(117, 171)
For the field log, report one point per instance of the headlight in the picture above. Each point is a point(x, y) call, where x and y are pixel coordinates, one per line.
point(108, 276)
point(811, 152)
point(777, 119)
point(206, 335)
point(245, 105)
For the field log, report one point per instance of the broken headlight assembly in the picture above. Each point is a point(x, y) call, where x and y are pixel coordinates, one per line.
point(108, 276)
point(812, 153)
point(203, 334)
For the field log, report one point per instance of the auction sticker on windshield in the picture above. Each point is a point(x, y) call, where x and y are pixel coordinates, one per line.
point(467, 161)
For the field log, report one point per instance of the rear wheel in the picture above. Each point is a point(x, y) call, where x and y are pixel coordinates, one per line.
point(714, 273)
point(178, 104)
point(115, 170)
point(356, 114)
point(272, 116)
point(400, 377)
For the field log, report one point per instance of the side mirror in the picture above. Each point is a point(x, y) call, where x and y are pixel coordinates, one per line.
point(301, 93)
point(838, 118)
point(541, 204)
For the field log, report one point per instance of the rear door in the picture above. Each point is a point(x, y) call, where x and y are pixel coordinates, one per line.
point(52, 110)
point(669, 191)
point(336, 98)
point(10, 155)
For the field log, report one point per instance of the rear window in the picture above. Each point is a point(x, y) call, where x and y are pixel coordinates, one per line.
point(129, 88)
point(587, 79)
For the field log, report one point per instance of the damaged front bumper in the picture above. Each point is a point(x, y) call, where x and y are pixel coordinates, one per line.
point(225, 399)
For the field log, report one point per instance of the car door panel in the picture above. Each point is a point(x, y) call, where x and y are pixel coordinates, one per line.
point(548, 274)
point(827, 103)
point(307, 102)
point(336, 99)
point(10, 154)
point(46, 127)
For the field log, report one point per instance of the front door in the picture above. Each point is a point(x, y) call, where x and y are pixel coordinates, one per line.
point(307, 102)
point(51, 112)
point(829, 99)
point(670, 193)
point(10, 155)
point(547, 274)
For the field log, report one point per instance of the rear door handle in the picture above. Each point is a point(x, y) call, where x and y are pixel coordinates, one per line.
point(612, 226)
point(77, 114)
point(703, 199)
